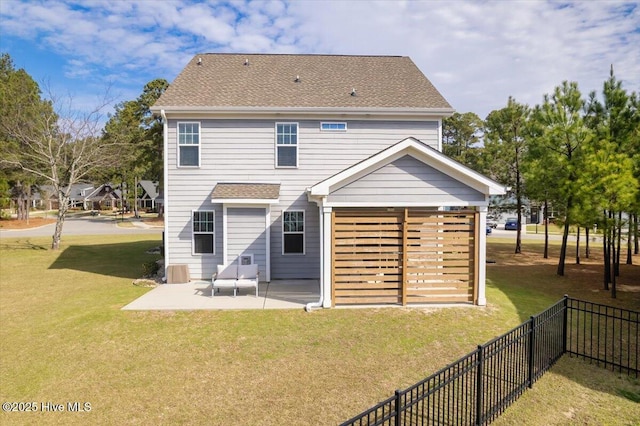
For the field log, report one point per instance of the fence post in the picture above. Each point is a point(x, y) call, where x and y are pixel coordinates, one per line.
point(532, 344)
point(565, 324)
point(479, 387)
point(397, 416)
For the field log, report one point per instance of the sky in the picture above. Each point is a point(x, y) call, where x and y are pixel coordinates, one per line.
point(476, 53)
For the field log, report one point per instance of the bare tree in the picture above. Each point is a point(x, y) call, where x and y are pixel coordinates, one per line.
point(60, 146)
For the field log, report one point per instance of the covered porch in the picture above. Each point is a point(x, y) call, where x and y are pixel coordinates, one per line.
point(403, 227)
point(196, 295)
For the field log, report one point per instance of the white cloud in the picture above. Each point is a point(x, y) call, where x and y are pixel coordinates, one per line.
point(476, 53)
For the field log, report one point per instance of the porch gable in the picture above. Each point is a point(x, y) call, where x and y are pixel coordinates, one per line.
point(404, 182)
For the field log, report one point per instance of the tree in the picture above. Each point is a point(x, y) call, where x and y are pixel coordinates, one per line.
point(609, 183)
point(505, 145)
point(564, 134)
point(20, 105)
point(134, 124)
point(461, 134)
point(615, 122)
point(541, 176)
point(53, 141)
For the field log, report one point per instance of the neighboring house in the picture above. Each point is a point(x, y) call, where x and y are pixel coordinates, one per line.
point(48, 199)
point(104, 197)
point(322, 167)
point(148, 194)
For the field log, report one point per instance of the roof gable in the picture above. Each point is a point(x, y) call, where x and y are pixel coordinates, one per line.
point(149, 187)
point(301, 81)
point(417, 150)
point(407, 180)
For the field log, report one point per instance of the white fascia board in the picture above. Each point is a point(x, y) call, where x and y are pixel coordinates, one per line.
point(404, 204)
point(418, 150)
point(177, 112)
point(459, 172)
point(95, 191)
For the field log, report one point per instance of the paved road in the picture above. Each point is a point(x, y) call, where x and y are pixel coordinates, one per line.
point(501, 233)
point(82, 226)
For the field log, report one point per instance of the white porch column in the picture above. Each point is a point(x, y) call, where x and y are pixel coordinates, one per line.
point(267, 231)
point(326, 274)
point(482, 256)
point(224, 234)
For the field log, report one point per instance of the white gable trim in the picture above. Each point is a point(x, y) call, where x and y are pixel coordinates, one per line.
point(419, 151)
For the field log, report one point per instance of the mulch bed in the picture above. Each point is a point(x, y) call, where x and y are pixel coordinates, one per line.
point(33, 222)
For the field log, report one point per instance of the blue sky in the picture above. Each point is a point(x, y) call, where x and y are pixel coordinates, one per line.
point(477, 53)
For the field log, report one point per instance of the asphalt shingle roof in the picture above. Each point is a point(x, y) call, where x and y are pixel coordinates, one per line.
point(287, 81)
point(247, 191)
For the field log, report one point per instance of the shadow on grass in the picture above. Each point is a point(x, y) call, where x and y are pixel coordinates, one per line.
point(123, 260)
point(22, 245)
point(531, 284)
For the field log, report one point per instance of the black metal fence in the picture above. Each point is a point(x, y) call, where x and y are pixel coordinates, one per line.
point(477, 388)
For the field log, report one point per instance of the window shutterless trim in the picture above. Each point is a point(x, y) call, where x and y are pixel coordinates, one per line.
point(179, 145)
point(303, 232)
point(289, 145)
point(333, 126)
point(194, 233)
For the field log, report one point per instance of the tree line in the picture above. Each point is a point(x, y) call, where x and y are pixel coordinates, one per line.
point(47, 140)
point(578, 154)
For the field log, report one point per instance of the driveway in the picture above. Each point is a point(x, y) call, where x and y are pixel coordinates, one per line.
point(83, 225)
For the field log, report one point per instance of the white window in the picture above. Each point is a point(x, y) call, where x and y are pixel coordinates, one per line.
point(203, 232)
point(286, 144)
point(293, 232)
point(189, 144)
point(333, 126)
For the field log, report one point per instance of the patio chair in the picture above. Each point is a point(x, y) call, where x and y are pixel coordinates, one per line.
point(225, 276)
point(248, 277)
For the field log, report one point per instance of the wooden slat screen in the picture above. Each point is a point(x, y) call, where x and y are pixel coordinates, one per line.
point(368, 255)
point(440, 258)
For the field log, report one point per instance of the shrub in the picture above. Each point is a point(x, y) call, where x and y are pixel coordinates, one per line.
point(150, 269)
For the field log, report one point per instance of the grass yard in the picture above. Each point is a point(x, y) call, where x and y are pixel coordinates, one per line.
point(64, 339)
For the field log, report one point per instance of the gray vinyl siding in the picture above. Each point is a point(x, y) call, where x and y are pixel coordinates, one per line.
point(246, 235)
point(407, 179)
point(244, 151)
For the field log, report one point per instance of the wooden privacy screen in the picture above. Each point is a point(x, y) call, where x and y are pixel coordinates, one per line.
point(402, 257)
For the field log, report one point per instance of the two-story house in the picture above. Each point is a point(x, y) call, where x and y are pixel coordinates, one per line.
point(324, 167)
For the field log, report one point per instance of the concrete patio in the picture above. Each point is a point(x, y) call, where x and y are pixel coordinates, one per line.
point(280, 294)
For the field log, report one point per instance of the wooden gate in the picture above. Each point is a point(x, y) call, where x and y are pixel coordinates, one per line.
point(400, 257)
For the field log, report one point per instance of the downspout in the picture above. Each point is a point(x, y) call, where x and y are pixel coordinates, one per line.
point(165, 160)
point(317, 305)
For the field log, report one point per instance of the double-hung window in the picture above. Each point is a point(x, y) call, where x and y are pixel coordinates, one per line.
point(203, 232)
point(286, 144)
point(293, 232)
point(189, 144)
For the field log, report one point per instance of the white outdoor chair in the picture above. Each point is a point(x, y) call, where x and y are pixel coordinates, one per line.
point(225, 277)
point(248, 277)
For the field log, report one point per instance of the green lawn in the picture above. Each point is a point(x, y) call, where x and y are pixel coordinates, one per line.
point(65, 339)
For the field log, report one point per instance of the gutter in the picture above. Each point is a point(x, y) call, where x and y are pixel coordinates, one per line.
point(264, 110)
point(165, 150)
point(309, 307)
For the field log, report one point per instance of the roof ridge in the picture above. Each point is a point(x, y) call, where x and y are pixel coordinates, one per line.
point(301, 54)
